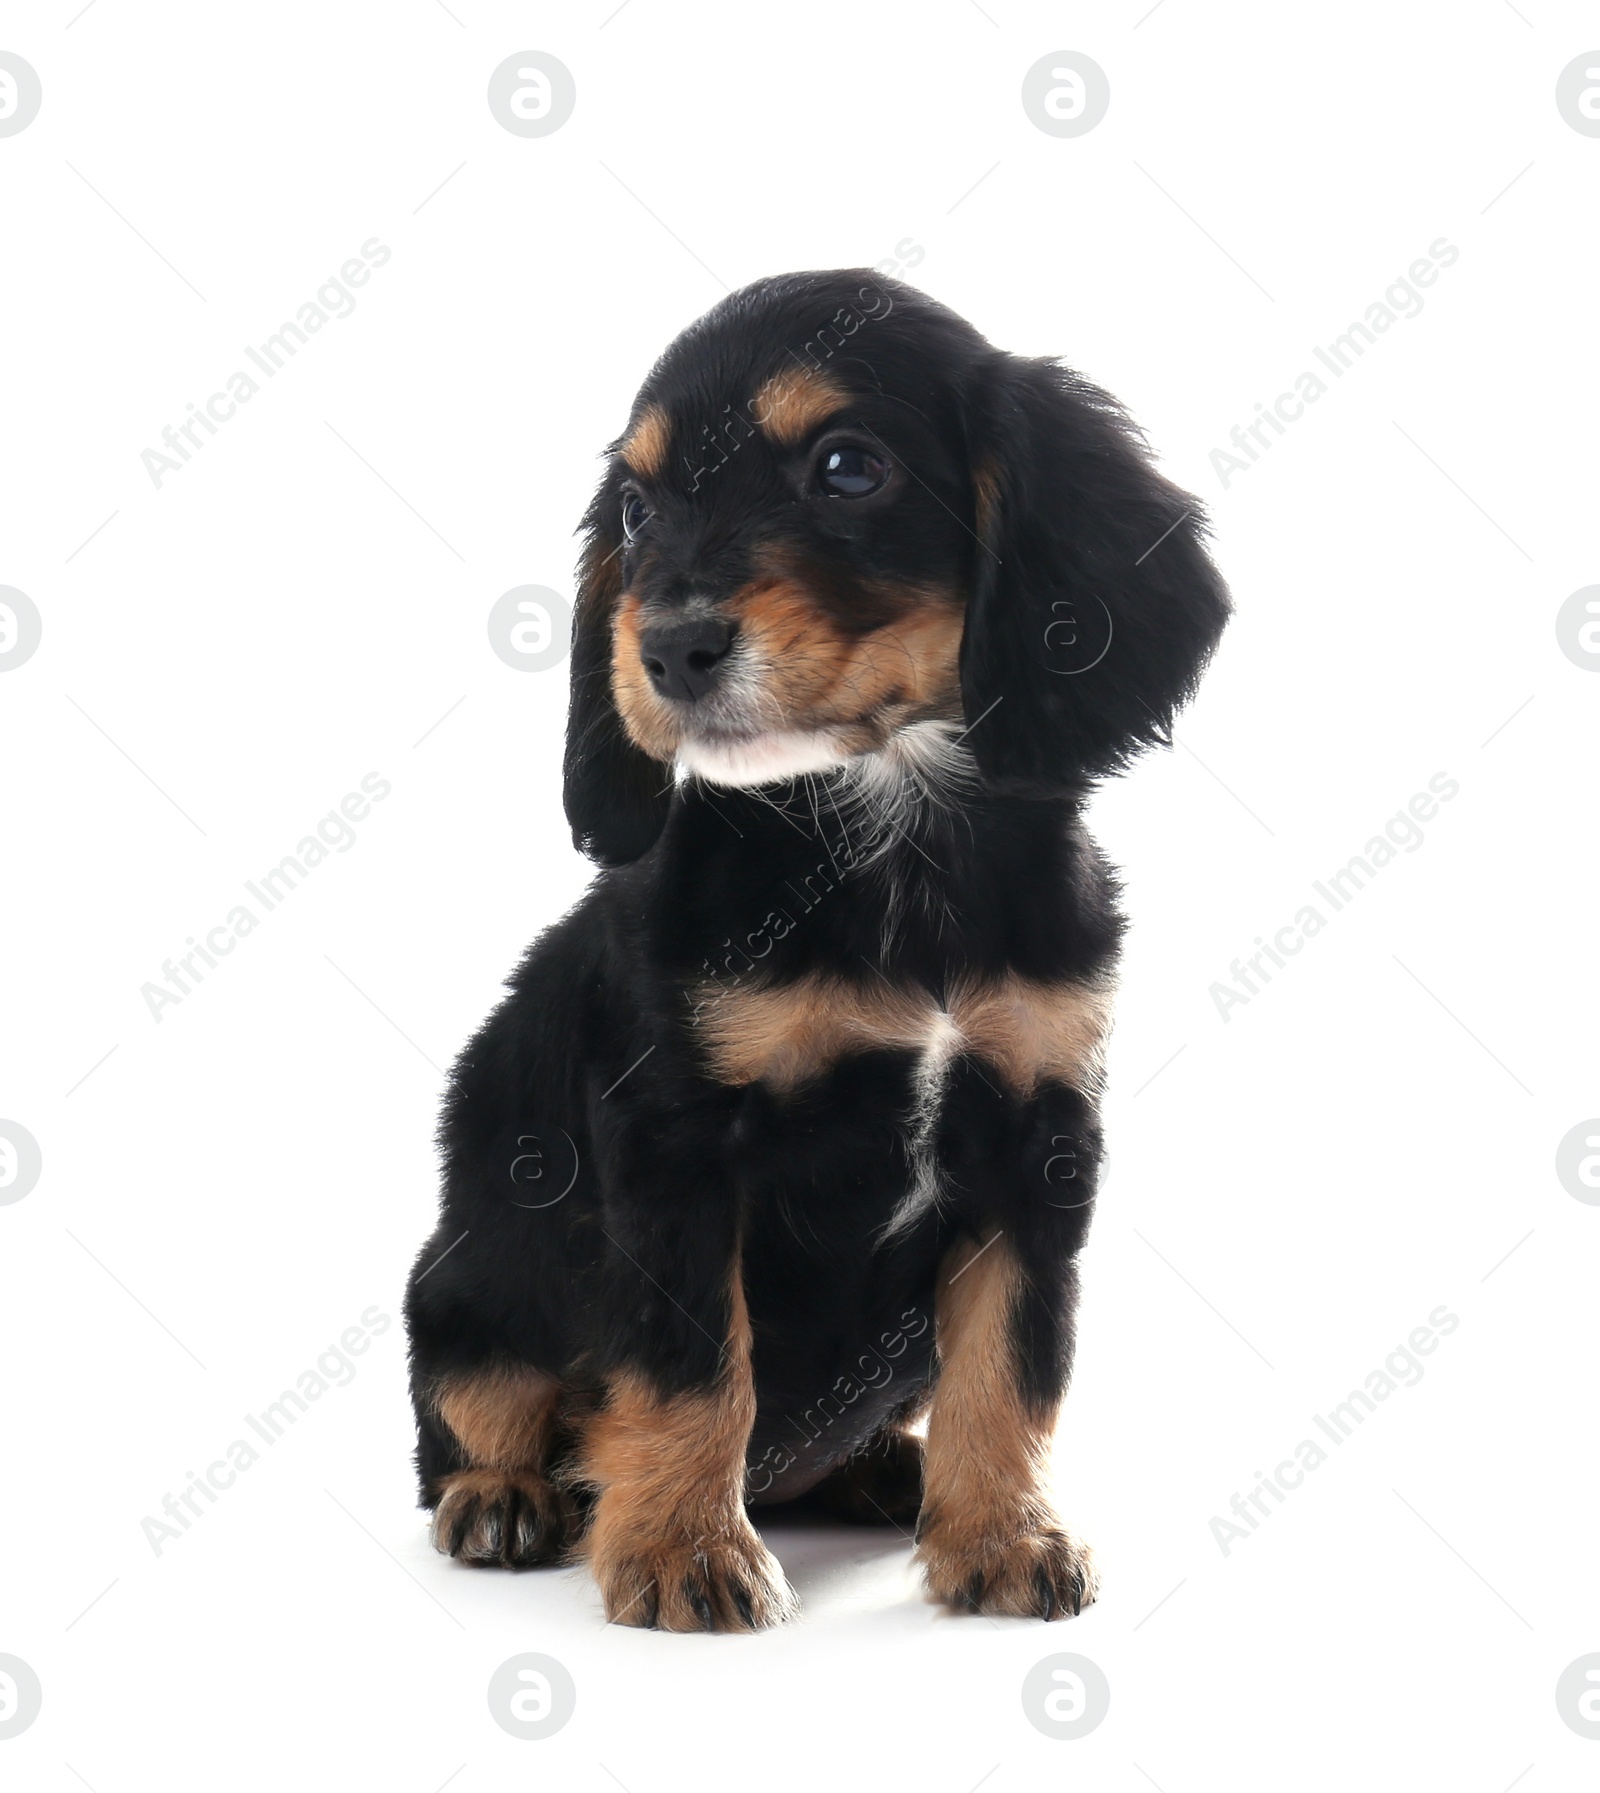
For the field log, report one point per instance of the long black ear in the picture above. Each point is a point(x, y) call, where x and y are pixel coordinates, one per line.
point(1095, 606)
point(616, 796)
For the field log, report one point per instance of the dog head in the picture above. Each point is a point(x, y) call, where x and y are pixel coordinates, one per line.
point(837, 512)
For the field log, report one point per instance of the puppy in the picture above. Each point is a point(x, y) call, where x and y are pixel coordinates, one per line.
point(785, 1139)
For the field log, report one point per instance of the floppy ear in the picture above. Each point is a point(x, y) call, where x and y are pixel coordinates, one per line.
point(1094, 605)
point(616, 796)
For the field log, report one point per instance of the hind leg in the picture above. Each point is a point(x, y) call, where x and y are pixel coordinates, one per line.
point(490, 1444)
point(882, 1483)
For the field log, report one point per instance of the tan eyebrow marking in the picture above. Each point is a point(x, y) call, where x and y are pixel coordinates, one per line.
point(792, 403)
point(645, 448)
point(986, 493)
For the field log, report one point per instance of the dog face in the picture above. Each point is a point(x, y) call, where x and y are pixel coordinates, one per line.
point(837, 512)
point(793, 594)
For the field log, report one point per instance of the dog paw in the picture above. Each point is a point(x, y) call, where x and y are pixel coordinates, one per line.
point(1037, 1571)
point(493, 1519)
point(729, 1583)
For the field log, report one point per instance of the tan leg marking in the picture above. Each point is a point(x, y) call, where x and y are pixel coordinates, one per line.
point(989, 1539)
point(645, 448)
point(792, 403)
point(502, 1418)
point(670, 1544)
point(504, 1509)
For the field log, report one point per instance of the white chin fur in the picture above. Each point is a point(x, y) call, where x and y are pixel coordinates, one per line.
point(763, 759)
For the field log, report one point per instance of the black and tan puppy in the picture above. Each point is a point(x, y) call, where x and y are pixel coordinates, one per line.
point(786, 1136)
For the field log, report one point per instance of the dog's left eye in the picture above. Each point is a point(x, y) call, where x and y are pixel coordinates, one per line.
point(635, 514)
point(851, 472)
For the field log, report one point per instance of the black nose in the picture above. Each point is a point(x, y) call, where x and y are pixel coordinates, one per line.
point(684, 655)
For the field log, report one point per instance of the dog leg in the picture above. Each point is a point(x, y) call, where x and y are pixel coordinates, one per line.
point(504, 1509)
point(989, 1537)
point(670, 1544)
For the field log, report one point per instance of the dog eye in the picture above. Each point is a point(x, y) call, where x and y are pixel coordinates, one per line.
point(851, 472)
point(635, 514)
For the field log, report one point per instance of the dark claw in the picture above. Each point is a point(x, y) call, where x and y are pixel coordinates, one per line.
point(697, 1598)
point(1047, 1594)
point(1077, 1594)
point(741, 1601)
point(652, 1608)
point(974, 1591)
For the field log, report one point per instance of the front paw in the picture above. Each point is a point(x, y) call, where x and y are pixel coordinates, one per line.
point(1029, 1567)
point(682, 1583)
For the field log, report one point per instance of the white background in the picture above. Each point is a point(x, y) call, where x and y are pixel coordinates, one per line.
point(1289, 1196)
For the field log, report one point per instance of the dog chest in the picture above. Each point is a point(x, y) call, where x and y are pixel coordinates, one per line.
point(785, 1035)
